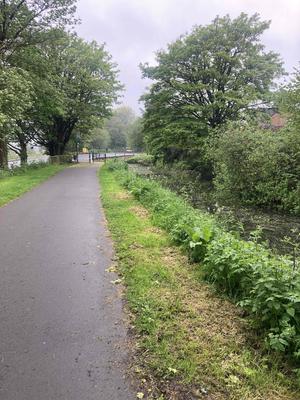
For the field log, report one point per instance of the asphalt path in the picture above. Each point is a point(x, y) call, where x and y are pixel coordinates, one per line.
point(62, 330)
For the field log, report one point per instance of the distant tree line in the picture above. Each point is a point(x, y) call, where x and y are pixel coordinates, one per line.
point(205, 112)
point(53, 83)
point(123, 130)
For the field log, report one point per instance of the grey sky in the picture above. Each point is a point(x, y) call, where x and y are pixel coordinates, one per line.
point(134, 30)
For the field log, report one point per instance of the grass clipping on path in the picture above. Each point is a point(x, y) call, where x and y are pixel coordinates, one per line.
point(190, 343)
point(14, 186)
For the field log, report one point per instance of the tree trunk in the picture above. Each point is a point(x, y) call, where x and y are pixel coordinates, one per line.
point(60, 136)
point(23, 153)
point(3, 154)
point(55, 149)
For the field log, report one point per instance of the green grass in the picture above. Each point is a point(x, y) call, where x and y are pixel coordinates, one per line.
point(14, 186)
point(188, 339)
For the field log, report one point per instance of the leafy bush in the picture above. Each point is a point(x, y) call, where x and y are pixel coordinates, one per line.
point(266, 286)
point(258, 167)
point(142, 159)
point(117, 164)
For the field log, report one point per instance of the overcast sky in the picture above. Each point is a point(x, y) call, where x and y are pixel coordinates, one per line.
point(134, 30)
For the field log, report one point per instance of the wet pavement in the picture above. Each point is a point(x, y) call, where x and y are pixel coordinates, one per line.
point(62, 334)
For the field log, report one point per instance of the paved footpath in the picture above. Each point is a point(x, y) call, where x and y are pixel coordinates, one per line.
point(61, 329)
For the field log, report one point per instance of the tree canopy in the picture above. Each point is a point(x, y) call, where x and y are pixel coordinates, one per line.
point(24, 25)
point(84, 79)
point(289, 99)
point(204, 79)
point(24, 22)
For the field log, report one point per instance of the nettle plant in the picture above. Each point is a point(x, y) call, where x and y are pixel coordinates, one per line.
point(267, 287)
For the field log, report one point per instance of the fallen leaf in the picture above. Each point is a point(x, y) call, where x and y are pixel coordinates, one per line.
point(173, 370)
point(116, 282)
point(111, 269)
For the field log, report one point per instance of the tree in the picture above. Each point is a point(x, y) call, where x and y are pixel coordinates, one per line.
point(118, 125)
point(99, 139)
point(25, 22)
point(84, 82)
point(136, 135)
point(203, 80)
point(289, 100)
point(15, 100)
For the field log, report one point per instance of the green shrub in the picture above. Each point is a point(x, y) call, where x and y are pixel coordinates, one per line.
point(258, 167)
point(142, 159)
point(116, 165)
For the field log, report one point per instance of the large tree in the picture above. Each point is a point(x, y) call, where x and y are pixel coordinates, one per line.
point(204, 79)
point(83, 80)
point(25, 23)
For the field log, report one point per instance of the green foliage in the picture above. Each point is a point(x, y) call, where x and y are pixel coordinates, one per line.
point(200, 237)
point(289, 100)
point(265, 285)
point(99, 138)
point(201, 81)
point(16, 98)
point(84, 80)
point(5, 173)
point(117, 165)
point(118, 126)
point(142, 159)
point(72, 83)
point(258, 167)
point(25, 23)
point(136, 136)
point(185, 334)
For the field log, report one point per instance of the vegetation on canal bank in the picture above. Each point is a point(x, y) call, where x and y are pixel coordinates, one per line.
point(192, 342)
point(15, 182)
point(212, 109)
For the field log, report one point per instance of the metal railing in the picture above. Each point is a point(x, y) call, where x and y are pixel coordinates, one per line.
point(98, 156)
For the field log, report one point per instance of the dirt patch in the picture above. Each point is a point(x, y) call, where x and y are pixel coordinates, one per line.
point(206, 312)
point(140, 211)
point(154, 229)
point(123, 196)
point(135, 246)
point(173, 256)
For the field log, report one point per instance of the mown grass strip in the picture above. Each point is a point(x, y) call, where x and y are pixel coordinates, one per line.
point(191, 343)
point(14, 186)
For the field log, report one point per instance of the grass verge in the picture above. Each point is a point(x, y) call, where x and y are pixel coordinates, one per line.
point(14, 186)
point(190, 342)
